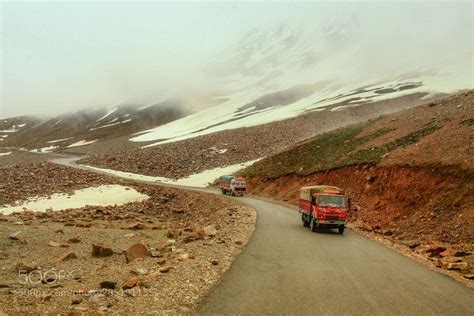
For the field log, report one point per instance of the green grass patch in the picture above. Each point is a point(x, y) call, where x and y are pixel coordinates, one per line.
point(332, 150)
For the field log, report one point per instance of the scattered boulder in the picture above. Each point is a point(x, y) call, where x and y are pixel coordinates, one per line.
point(435, 250)
point(68, 256)
point(76, 300)
point(165, 269)
point(469, 276)
point(15, 235)
point(453, 259)
point(74, 240)
point(183, 257)
point(47, 296)
point(130, 284)
point(446, 253)
point(54, 244)
point(108, 285)
point(25, 267)
point(210, 231)
point(134, 292)
point(135, 251)
point(215, 262)
point(173, 233)
point(191, 237)
point(155, 254)
point(457, 266)
point(101, 251)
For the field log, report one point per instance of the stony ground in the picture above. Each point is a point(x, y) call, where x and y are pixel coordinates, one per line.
point(21, 157)
point(160, 255)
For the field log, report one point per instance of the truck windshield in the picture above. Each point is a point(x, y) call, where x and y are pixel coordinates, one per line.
point(333, 200)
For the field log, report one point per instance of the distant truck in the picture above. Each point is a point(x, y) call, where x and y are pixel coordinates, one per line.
point(323, 206)
point(232, 185)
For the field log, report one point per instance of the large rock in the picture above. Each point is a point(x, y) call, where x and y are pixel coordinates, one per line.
point(15, 235)
point(108, 285)
point(74, 240)
point(23, 267)
point(210, 231)
point(435, 250)
point(135, 251)
point(130, 284)
point(54, 244)
point(457, 266)
point(68, 256)
point(101, 251)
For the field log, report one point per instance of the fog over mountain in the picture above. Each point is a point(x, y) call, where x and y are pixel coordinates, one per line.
point(60, 57)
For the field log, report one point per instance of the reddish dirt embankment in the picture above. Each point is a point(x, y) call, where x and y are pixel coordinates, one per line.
point(426, 209)
point(406, 202)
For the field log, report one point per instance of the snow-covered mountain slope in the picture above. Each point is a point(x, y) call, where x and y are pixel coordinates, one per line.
point(278, 73)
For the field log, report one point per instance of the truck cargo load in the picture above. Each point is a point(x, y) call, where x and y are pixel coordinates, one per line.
point(323, 206)
point(232, 185)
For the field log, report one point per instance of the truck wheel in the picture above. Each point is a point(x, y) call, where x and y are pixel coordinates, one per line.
point(305, 222)
point(314, 225)
point(341, 229)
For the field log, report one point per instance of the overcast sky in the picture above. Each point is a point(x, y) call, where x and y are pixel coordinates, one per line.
point(63, 56)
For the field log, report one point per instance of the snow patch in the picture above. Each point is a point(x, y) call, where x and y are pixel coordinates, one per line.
point(82, 143)
point(5, 154)
point(97, 196)
point(200, 180)
point(109, 125)
point(107, 114)
point(58, 140)
point(44, 149)
point(104, 126)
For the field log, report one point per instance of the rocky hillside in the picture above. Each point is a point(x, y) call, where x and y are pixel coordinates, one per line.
point(73, 130)
point(410, 174)
point(229, 147)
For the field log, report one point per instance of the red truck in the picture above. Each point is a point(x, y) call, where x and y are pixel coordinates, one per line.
point(232, 185)
point(323, 206)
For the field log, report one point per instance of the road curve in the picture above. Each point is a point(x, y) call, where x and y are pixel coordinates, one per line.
point(286, 269)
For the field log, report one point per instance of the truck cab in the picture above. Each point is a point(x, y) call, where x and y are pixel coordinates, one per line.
point(323, 207)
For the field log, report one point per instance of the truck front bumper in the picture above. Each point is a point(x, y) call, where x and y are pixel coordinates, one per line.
point(330, 223)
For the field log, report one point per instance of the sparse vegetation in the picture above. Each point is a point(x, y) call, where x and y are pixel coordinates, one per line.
point(333, 150)
point(468, 122)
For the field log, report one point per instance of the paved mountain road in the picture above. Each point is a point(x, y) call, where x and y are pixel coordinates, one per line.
point(286, 269)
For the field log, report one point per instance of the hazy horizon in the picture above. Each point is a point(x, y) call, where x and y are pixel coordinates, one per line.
point(59, 57)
